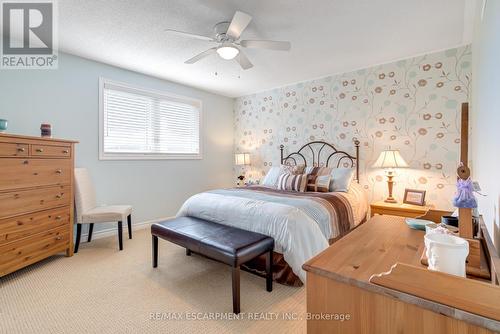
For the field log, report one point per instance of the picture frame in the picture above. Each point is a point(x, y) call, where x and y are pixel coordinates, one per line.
point(414, 196)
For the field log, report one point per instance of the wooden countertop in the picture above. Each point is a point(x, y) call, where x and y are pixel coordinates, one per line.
point(370, 249)
point(373, 248)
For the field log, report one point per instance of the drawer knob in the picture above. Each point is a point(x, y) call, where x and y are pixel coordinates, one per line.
point(59, 171)
point(65, 151)
point(20, 149)
point(39, 150)
point(58, 217)
point(59, 195)
point(58, 238)
point(26, 162)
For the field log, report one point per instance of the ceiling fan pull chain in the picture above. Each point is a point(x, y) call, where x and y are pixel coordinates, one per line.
point(239, 72)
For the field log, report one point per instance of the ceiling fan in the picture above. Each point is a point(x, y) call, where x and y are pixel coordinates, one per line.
point(227, 35)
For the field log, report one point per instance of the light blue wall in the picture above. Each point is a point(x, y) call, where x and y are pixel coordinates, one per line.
point(67, 98)
point(485, 113)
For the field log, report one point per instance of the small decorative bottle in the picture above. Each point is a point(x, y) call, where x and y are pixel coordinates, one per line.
point(46, 130)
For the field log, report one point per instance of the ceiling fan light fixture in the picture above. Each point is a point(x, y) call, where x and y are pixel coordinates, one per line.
point(227, 52)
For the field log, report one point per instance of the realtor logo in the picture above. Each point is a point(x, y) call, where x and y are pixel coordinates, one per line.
point(29, 39)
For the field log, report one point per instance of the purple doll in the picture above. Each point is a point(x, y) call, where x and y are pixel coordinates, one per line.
point(464, 197)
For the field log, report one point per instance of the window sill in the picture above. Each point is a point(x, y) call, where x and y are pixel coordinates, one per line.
point(138, 156)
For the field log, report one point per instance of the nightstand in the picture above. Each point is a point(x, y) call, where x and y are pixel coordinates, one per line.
point(398, 209)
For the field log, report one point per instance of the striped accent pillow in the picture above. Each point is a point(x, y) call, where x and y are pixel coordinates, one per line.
point(321, 184)
point(292, 182)
point(313, 173)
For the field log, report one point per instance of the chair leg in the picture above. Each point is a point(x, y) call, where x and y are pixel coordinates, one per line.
point(120, 237)
point(91, 229)
point(78, 236)
point(129, 225)
point(188, 252)
point(269, 271)
point(155, 251)
point(236, 290)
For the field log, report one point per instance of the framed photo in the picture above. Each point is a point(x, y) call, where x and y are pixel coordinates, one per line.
point(414, 196)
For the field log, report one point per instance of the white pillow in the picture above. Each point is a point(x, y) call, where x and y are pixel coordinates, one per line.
point(341, 179)
point(271, 178)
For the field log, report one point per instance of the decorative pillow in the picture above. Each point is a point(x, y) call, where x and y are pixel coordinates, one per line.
point(341, 179)
point(295, 169)
point(321, 184)
point(292, 182)
point(313, 173)
point(271, 178)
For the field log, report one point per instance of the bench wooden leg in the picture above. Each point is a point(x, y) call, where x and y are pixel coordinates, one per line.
point(269, 271)
point(188, 252)
point(120, 235)
point(236, 290)
point(155, 251)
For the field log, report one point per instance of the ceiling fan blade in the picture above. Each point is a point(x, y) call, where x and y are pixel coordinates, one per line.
point(200, 56)
point(238, 24)
point(271, 45)
point(187, 34)
point(242, 59)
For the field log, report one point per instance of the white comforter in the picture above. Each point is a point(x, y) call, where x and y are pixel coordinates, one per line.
point(299, 231)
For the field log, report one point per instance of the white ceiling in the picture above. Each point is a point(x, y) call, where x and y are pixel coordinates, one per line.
point(327, 36)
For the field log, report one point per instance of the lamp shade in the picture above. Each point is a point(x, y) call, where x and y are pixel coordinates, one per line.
point(390, 159)
point(242, 159)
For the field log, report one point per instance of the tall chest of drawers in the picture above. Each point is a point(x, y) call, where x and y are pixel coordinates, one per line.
point(36, 200)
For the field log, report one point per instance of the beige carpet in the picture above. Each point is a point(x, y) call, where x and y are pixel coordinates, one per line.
point(102, 290)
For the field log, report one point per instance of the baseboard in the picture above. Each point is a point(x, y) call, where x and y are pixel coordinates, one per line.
point(113, 230)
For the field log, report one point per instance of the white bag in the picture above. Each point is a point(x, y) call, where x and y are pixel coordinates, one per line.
point(446, 253)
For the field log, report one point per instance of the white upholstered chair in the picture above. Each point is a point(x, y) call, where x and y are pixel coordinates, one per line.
point(87, 212)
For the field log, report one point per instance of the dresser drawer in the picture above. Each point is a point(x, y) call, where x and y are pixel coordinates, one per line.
point(24, 173)
point(16, 255)
point(13, 150)
point(50, 151)
point(24, 201)
point(12, 229)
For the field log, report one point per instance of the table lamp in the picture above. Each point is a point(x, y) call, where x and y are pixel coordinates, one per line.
point(241, 159)
point(390, 160)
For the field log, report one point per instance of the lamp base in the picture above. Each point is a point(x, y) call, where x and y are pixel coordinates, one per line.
point(390, 183)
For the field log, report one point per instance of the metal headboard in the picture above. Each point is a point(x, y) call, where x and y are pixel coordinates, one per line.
point(338, 156)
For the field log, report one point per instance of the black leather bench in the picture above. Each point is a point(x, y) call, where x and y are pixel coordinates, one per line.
point(226, 244)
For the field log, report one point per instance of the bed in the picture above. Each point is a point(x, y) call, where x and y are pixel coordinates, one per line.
point(302, 223)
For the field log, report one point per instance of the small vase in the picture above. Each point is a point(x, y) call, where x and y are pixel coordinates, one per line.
point(46, 130)
point(3, 125)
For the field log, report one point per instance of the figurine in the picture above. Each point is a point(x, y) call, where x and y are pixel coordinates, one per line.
point(464, 197)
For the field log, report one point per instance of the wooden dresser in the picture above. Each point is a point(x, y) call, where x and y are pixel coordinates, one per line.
point(342, 283)
point(36, 199)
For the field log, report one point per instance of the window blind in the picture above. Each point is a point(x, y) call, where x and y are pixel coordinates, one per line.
point(137, 121)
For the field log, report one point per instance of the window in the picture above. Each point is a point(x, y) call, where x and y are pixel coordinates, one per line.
point(143, 124)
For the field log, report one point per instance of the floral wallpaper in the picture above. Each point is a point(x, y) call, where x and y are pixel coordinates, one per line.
point(412, 105)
